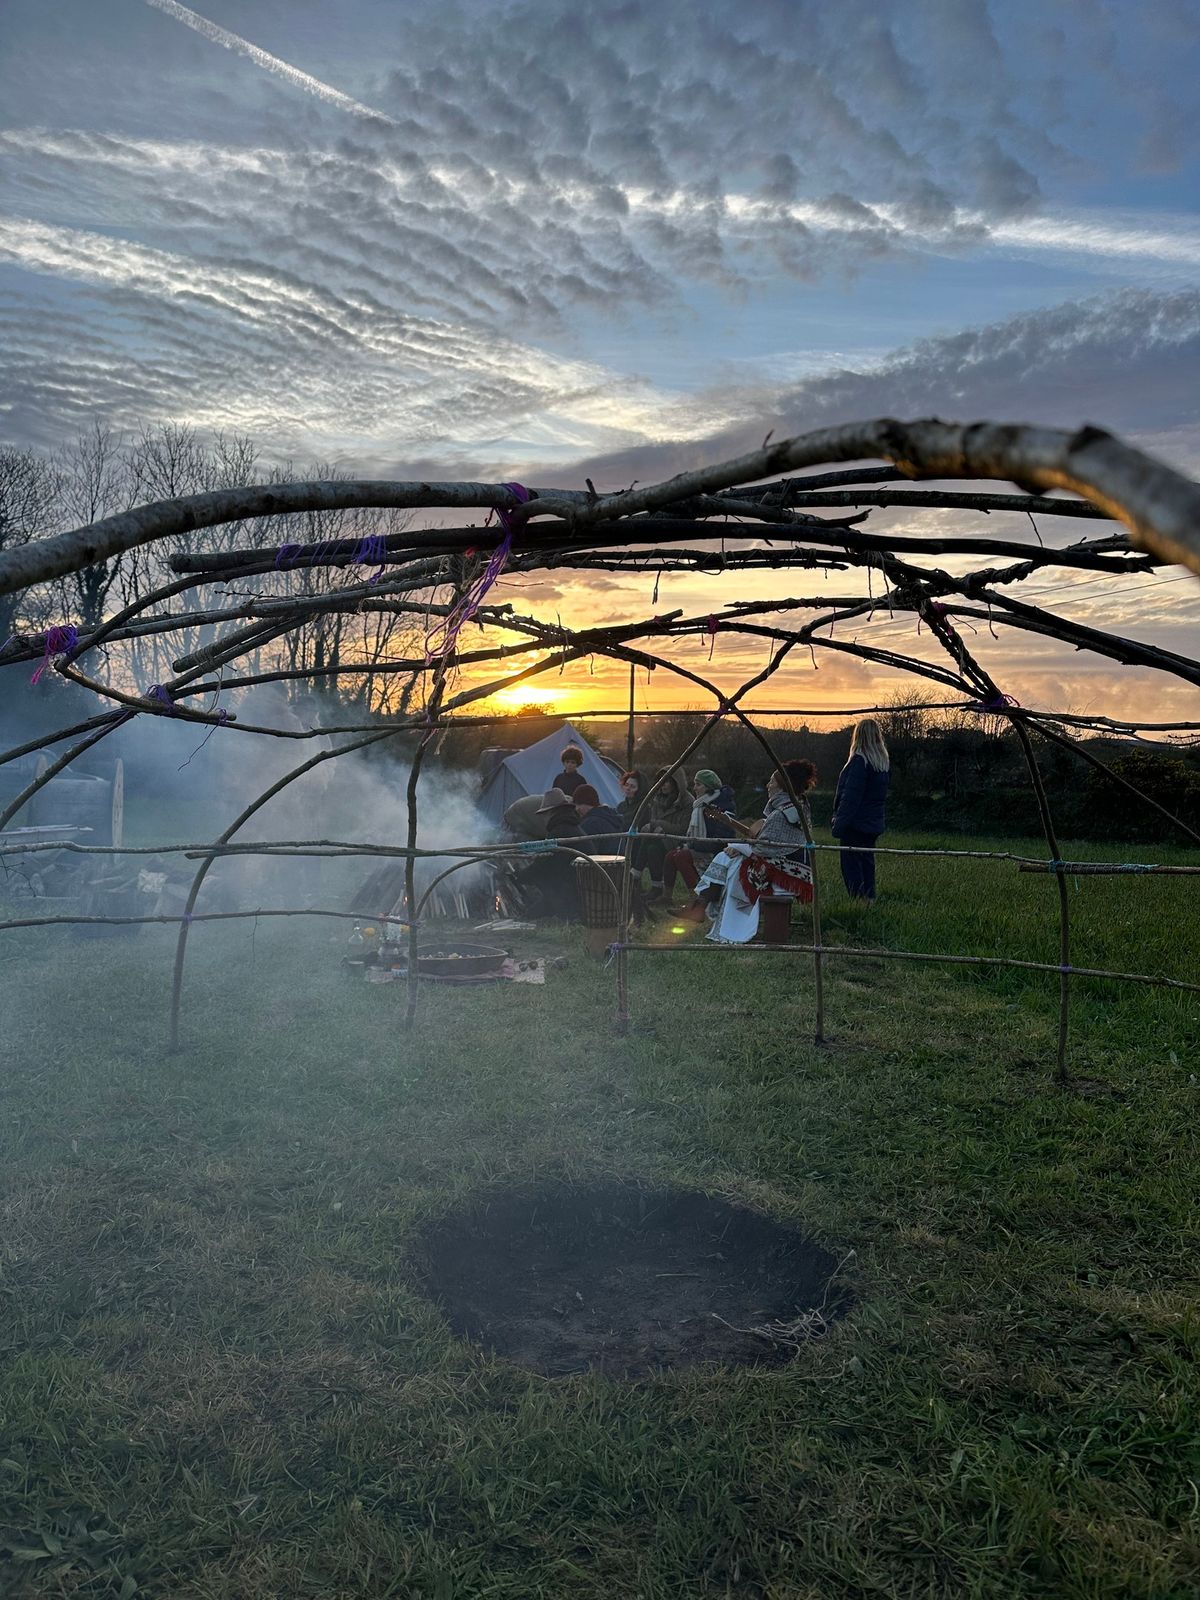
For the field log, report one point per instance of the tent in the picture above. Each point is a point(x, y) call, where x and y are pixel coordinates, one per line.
point(533, 770)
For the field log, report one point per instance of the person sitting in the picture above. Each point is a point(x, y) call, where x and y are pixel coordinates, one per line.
point(667, 814)
point(633, 788)
point(570, 778)
point(771, 858)
point(562, 818)
point(645, 851)
point(532, 816)
point(671, 806)
point(713, 801)
point(596, 819)
point(544, 886)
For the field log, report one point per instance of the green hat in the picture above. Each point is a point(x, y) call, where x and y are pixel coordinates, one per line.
point(708, 778)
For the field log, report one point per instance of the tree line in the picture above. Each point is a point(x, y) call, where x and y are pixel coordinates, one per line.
point(100, 473)
point(952, 771)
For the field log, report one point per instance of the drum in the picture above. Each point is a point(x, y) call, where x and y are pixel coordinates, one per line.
point(598, 879)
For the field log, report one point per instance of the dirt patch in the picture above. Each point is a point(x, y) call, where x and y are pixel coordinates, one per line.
point(625, 1280)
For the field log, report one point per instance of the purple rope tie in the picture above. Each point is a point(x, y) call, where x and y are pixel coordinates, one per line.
point(286, 555)
point(997, 702)
point(157, 692)
point(372, 550)
point(441, 640)
point(58, 642)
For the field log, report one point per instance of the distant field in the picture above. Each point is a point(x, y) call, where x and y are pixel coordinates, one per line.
point(220, 1377)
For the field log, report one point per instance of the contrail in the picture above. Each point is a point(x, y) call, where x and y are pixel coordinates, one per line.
point(269, 63)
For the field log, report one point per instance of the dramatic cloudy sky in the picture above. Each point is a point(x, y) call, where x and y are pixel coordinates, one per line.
point(537, 238)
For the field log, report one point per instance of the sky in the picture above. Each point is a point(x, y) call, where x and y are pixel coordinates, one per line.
point(541, 241)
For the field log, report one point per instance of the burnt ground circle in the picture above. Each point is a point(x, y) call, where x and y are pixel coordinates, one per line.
point(626, 1280)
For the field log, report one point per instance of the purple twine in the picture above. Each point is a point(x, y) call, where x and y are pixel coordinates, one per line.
point(57, 643)
point(441, 640)
point(286, 555)
point(371, 550)
point(157, 692)
point(997, 702)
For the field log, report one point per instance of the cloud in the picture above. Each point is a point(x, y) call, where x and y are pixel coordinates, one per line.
point(1125, 361)
point(426, 261)
point(308, 369)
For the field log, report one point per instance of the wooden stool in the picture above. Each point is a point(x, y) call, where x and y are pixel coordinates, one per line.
point(775, 918)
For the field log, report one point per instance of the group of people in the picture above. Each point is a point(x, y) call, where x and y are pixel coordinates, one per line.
point(727, 865)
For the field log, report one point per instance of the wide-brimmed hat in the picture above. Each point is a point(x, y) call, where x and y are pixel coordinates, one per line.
point(552, 799)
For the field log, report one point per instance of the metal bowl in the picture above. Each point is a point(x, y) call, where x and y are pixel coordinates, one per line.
point(459, 960)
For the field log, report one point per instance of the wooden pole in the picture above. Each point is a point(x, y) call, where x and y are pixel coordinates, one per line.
point(632, 719)
point(1064, 904)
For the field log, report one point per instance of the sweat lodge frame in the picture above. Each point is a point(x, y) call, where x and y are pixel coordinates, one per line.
point(750, 513)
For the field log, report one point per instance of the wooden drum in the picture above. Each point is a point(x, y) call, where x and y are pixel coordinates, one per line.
point(598, 879)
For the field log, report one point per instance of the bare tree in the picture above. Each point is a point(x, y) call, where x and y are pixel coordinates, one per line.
point(28, 510)
point(94, 482)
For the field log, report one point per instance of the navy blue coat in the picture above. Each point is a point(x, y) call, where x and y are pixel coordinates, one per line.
point(599, 820)
point(858, 805)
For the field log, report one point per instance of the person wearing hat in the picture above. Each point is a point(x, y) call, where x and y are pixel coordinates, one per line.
point(561, 817)
point(542, 816)
point(545, 885)
point(711, 799)
point(596, 819)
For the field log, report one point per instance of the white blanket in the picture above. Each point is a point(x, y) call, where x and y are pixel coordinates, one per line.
point(736, 921)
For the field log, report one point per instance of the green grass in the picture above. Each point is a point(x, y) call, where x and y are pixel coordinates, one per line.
point(218, 1377)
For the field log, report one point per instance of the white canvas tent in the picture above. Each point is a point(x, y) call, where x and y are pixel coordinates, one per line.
point(533, 770)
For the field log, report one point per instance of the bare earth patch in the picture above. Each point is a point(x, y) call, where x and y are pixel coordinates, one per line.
point(616, 1278)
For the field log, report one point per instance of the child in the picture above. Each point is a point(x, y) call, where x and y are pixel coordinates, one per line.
point(570, 778)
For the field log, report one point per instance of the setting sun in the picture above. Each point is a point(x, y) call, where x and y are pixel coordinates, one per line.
point(522, 695)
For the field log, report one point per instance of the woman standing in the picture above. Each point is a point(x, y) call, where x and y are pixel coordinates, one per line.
point(858, 807)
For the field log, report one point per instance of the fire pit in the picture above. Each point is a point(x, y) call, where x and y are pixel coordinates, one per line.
point(628, 1280)
point(453, 960)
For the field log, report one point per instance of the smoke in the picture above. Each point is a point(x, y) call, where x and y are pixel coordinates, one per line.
point(186, 784)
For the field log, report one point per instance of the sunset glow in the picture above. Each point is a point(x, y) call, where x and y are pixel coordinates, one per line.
point(522, 694)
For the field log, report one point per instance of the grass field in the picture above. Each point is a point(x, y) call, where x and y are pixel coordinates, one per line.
point(219, 1378)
